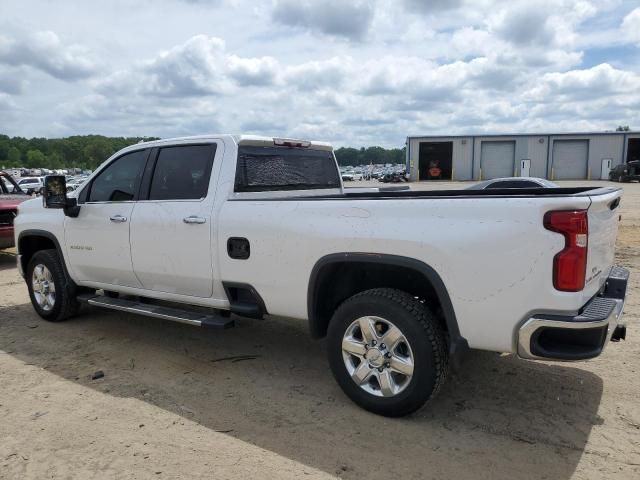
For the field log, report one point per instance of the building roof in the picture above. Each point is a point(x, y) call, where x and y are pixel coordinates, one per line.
point(534, 134)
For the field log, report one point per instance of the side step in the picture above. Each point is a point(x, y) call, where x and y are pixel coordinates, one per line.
point(174, 314)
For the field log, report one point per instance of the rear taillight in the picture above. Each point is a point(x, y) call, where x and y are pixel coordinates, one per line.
point(570, 264)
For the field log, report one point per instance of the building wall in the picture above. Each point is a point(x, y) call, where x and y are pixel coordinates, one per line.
point(600, 147)
point(526, 148)
point(461, 156)
point(537, 148)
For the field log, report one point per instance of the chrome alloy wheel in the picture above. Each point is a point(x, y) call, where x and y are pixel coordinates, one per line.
point(44, 289)
point(377, 356)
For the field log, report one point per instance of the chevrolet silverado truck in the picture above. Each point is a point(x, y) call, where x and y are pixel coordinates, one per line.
point(400, 282)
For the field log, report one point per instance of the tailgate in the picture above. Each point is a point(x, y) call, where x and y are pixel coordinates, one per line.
point(603, 229)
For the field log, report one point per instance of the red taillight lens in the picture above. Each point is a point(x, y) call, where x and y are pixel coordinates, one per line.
point(570, 265)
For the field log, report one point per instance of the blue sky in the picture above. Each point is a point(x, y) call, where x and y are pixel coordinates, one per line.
point(353, 73)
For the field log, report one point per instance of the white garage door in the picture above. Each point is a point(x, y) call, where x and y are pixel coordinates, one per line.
point(570, 159)
point(497, 159)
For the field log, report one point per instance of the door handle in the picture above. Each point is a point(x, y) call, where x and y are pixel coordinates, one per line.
point(194, 219)
point(118, 219)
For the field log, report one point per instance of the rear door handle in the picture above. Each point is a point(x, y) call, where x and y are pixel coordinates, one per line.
point(194, 219)
point(118, 219)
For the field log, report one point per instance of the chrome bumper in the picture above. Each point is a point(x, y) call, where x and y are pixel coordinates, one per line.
point(552, 337)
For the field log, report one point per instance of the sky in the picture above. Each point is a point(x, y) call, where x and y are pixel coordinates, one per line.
point(354, 73)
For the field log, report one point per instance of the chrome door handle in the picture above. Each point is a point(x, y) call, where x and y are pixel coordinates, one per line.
point(194, 219)
point(118, 219)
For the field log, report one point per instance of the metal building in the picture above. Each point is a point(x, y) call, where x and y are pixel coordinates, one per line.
point(556, 156)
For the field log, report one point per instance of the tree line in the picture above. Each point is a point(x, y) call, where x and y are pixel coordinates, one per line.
point(369, 156)
point(89, 151)
point(80, 151)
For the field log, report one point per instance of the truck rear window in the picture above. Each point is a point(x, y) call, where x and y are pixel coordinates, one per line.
point(262, 169)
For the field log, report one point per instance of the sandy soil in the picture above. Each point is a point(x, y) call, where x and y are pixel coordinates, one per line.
point(174, 403)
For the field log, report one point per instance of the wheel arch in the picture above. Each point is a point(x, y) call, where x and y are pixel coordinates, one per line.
point(338, 276)
point(32, 241)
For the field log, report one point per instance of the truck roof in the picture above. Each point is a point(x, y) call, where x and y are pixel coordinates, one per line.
point(238, 139)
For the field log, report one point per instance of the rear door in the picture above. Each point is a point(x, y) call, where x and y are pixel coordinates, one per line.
point(603, 229)
point(172, 229)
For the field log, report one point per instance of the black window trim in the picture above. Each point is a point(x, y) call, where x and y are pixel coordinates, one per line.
point(85, 194)
point(150, 170)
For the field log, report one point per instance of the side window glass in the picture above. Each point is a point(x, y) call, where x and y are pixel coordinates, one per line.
point(120, 180)
point(182, 172)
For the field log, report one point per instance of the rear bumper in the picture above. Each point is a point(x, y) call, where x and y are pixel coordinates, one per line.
point(555, 337)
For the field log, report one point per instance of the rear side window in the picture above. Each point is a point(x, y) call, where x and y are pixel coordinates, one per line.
point(182, 173)
point(119, 182)
point(284, 168)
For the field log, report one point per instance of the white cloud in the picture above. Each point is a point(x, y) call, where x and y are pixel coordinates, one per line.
point(349, 19)
point(631, 26)
point(44, 51)
point(354, 73)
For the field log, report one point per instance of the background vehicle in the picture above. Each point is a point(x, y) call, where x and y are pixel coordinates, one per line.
point(399, 281)
point(514, 182)
point(31, 185)
point(625, 172)
point(10, 197)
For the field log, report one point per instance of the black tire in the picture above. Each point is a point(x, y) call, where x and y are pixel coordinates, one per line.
point(65, 304)
point(421, 329)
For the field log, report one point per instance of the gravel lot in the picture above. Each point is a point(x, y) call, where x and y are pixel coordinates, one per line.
point(258, 401)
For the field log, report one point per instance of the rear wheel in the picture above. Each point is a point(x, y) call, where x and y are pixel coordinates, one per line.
point(387, 351)
point(52, 293)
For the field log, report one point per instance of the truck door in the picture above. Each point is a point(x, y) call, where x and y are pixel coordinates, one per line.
point(97, 241)
point(172, 229)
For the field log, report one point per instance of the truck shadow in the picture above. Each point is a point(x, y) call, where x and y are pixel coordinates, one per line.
point(7, 260)
point(267, 383)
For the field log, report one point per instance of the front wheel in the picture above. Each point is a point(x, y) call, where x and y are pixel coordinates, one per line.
point(52, 293)
point(387, 351)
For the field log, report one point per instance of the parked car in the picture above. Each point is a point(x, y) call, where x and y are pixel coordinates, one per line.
point(513, 182)
point(10, 197)
point(400, 282)
point(31, 185)
point(625, 172)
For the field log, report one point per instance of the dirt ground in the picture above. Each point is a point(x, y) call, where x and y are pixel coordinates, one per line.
point(258, 401)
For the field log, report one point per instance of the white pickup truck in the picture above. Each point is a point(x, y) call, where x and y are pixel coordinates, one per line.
point(400, 282)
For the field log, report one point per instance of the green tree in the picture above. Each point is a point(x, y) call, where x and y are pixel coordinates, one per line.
point(13, 157)
point(623, 128)
point(35, 159)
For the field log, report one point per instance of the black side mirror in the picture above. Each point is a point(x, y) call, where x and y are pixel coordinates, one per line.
point(55, 191)
point(54, 195)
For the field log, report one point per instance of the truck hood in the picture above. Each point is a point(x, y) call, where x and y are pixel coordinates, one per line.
point(11, 201)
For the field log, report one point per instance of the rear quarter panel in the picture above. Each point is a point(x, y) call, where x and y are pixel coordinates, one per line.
point(493, 254)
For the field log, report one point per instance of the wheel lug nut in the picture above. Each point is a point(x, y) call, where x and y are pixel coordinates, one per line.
point(382, 345)
point(380, 369)
point(388, 354)
point(387, 364)
point(373, 342)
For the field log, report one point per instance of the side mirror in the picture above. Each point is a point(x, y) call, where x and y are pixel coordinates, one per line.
point(54, 195)
point(54, 191)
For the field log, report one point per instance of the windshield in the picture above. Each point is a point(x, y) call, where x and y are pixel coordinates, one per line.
point(285, 168)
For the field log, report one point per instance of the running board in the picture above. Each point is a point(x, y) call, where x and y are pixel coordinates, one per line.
point(174, 314)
